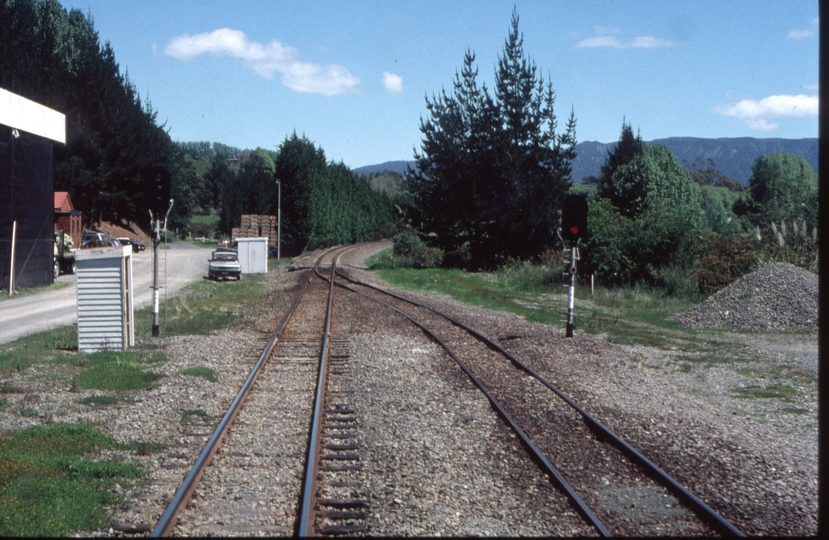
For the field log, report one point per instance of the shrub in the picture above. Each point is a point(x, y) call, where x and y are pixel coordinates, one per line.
point(677, 282)
point(408, 244)
point(413, 251)
point(727, 259)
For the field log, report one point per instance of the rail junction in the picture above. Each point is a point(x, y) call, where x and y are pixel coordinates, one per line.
point(305, 381)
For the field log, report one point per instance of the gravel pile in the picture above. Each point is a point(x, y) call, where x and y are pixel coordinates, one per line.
point(777, 297)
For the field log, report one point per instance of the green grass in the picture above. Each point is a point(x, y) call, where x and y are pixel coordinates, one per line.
point(203, 372)
point(795, 410)
point(39, 348)
point(48, 487)
point(99, 400)
point(211, 220)
point(208, 245)
point(782, 392)
point(28, 291)
point(109, 370)
point(205, 306)
point(623, 315)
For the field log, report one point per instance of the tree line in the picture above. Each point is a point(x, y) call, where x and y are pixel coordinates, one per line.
point(115, 146)
point(492, 171)
point(492, 174)
point(322, 203)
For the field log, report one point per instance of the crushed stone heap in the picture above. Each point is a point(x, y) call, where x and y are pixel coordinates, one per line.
point(778, 297)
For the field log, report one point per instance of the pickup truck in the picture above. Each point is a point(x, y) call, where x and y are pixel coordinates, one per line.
point(64, 262)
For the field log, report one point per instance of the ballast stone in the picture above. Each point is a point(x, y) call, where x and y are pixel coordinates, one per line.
point(777, 297)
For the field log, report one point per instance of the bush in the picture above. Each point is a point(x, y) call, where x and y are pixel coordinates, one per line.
point(413, 251)
point(677, 282)
point(727, 259)
point(207, 230)
point(408, 244)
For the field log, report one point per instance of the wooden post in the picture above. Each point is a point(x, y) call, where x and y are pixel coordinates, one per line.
point(11, 274)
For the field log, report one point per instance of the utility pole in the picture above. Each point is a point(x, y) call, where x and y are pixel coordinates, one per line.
point(156, 224)
point(156, 240)
point(278, 219)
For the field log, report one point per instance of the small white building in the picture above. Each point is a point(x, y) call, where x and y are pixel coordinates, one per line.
point(253, 255)
point(105, 299)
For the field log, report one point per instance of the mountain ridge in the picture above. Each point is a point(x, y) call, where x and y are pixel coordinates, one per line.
point(732, 155)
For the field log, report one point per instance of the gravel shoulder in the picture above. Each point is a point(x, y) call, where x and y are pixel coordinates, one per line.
point(753, 458)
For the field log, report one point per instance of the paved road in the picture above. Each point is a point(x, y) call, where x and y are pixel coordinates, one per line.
point(182, 263)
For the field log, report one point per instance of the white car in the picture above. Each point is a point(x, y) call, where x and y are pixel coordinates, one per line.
point(224, 264)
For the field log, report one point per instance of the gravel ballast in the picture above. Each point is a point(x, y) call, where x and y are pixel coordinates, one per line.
point(777, 297)
point(755, 458)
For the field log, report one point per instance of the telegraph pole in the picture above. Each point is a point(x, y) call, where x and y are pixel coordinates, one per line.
point(156, 239)
point(278, 219)
point(156, 224)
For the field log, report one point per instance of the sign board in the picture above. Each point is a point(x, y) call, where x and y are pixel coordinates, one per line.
point(24, 114)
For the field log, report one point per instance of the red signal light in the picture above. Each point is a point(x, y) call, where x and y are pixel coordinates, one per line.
point(574, 218)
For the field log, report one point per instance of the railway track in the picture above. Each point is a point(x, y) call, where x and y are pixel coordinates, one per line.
point(302, 382)
point(602, 472)
point(289, 389)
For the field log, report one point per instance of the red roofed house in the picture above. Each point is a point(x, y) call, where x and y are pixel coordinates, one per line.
point(67, 219)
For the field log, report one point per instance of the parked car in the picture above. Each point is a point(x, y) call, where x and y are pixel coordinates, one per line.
point(97, 239)
point(136, 245)
point(224, 264)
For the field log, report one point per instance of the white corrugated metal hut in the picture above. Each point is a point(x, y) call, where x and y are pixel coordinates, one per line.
point(253, 255)
point(105, 299)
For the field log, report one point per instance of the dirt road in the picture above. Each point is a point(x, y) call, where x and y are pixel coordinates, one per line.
point(179, 265)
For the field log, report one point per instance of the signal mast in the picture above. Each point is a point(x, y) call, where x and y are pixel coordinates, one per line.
point(573, 230)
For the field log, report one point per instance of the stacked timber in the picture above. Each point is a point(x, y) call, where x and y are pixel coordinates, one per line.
point(256, 226)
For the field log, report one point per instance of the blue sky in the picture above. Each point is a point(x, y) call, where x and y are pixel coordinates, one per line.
point(353, 75)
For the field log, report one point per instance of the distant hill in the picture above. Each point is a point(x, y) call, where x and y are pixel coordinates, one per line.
point(398, 167)
point(733, 156)
point(388, 182)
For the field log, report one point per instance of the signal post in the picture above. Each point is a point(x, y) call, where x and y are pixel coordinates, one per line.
point(573, 229)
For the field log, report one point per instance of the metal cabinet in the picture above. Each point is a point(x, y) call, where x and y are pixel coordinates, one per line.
point(253, 255)
point(105, 299)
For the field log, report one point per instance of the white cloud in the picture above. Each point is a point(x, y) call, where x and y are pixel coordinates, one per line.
point(392, 83)
point(606, 30)
point(761, 124)
point(757, 113)
point(650, 42)
point(640, 42)
point(266, 60)
point(600, 41)
point(799, 34)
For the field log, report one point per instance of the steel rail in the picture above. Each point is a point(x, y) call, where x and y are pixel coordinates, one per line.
point(706, 513)
point(309, 488)
point(578, 502)
point(167, 522)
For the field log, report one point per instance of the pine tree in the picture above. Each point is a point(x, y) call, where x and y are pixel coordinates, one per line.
point(628, 147)
point(493, 172)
